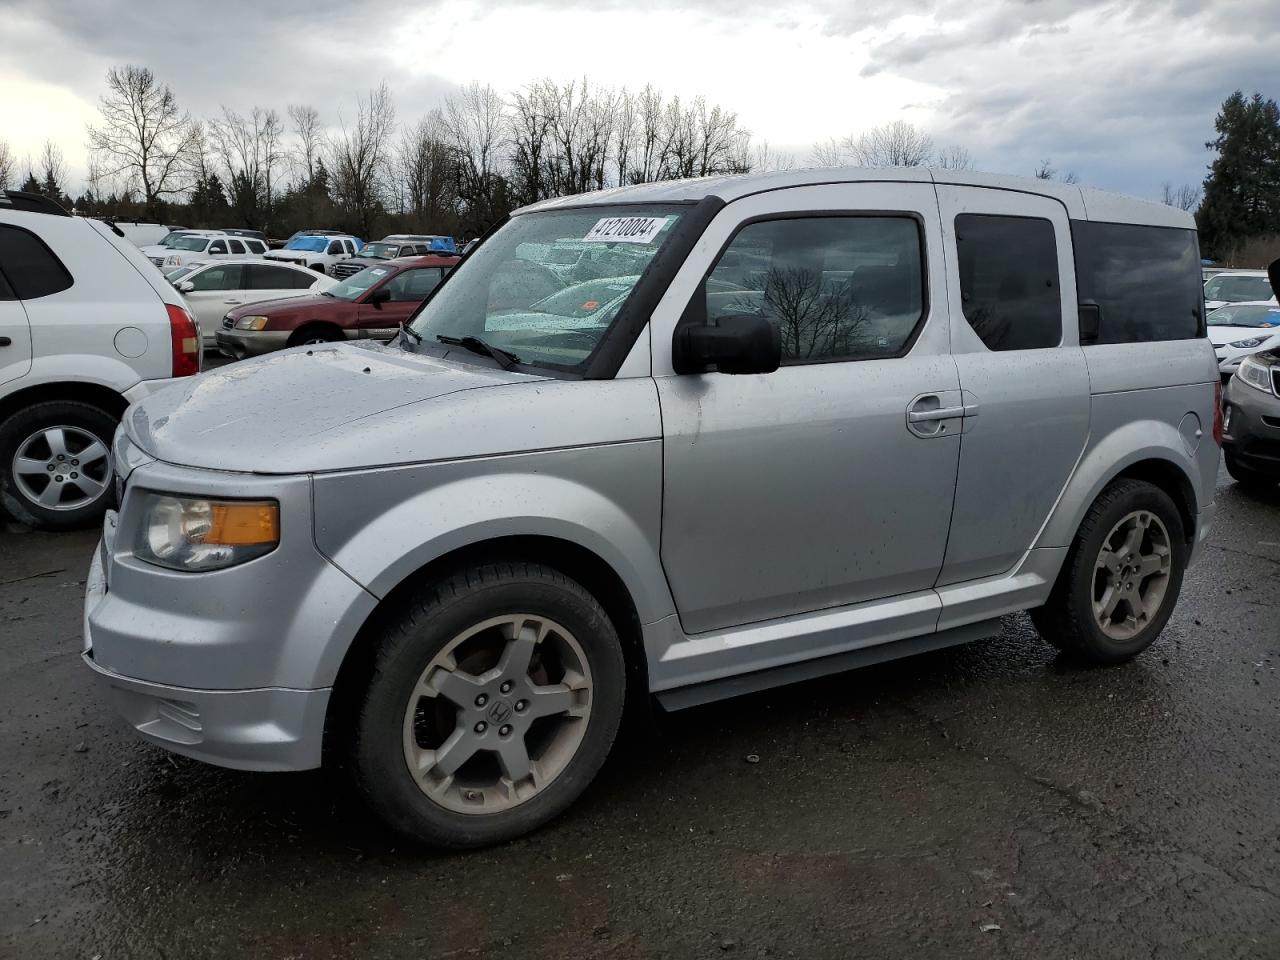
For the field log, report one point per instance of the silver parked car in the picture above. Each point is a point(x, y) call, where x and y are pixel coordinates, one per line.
point(819, 419)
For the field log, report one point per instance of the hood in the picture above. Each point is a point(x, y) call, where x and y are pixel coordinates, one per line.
point(155, 250)
point(309, 304)
point(308, 409)
point(1222, 335)
point(298, 256)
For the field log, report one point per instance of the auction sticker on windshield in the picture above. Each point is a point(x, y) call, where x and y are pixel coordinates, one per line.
point(625, 230)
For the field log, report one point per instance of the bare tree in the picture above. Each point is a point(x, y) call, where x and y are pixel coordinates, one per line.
point(1047, 171)
point(8, 165)
point(531, 122)
point(476, 121)
point(896, 144)
point(953, 158)
point(360, 158)
point(309, 140)
point(767, 160)
point(625, 129)
point(828, 153)
point(424, 170)
point(143, 136)
point(250, 150)
point(1185, 197)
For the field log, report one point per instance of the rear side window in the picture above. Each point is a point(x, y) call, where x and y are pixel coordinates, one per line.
point(29, 266)
point(1146, 280)
point(837, 288)
point(236, 246)
point(1009, 288)
point(304, 279)
point(263, 277)
point(256, 246)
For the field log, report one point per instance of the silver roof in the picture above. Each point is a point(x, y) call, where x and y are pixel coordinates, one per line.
point(1082, 203)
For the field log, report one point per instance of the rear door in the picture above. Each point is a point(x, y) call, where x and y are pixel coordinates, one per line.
point(15, 330)
point(1015, 339)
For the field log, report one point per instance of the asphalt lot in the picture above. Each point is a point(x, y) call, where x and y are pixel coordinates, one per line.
point(984, 801)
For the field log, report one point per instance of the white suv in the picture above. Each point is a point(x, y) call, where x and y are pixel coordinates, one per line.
point(192, 245)
point(87, 326)
point(318, 252)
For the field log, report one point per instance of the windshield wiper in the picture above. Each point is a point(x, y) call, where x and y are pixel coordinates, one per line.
point(505, 357)
point(408, 331)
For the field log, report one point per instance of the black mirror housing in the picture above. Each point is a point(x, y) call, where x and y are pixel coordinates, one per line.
point(741, 343)
point(380, 296)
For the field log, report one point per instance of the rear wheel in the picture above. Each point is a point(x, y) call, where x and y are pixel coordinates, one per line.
point(492, 703)
point(55, 464)
point(1121, 578)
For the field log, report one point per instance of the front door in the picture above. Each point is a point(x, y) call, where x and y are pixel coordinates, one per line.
point(1015, 337)
point(829, 481)
point(406, 290)
point(214, 291)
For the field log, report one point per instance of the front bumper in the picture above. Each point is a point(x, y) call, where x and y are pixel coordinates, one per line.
point(270, 728)
point(1252, 436)
point(251, 343)
point(233, 666)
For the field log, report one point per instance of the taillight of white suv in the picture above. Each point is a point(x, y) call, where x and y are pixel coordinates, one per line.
point(185, 336)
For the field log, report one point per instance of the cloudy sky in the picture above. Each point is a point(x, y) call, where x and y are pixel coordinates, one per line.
point(1121, 91)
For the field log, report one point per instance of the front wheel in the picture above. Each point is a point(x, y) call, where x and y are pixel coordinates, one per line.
point(494, 699)
point(1121, 578)
point(55, 464)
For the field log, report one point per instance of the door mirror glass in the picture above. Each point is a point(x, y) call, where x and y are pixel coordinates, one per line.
point(739, 343)
point(186, 286)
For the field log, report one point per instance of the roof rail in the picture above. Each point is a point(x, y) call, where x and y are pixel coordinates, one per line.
point(31, 203)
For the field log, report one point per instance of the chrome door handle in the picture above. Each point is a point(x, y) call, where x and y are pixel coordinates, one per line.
point(941, 413)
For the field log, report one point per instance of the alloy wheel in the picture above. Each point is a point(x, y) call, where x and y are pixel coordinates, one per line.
point(62, 468)
point(497, 714)
point(1131, 575)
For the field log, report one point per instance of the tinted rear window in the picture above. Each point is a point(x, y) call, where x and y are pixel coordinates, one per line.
point(1147, 280)
point(1009, 281)
point(30, 267)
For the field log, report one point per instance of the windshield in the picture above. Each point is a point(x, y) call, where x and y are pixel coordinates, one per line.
point(1237, 289)
point(383, 251)
point(351, 288)
point(506, 294)
point(181, 273)
point(189, 242)
point(1252, 315)
point(308, 244)
point(171, 236)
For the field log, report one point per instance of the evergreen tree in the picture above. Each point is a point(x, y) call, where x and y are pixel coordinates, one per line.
point(1242, 191)
point(31, 184)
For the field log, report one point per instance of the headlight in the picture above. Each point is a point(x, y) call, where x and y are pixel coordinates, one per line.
point(1251, 342)
point(173, 260)
point(189, 533)
point(251, 323)
point(1255, 374)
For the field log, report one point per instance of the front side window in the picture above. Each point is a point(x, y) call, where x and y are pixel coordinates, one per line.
point(837, 288)
point(218, 246)
point(335, 248)
point(1237, 289)
point(1009, 288)
point(502, 293)
point(1145, 280)
point(225, 276)
point(354, 286)
point(31, 268)
point(413, 285)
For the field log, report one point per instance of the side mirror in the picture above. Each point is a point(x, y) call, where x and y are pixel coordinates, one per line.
point(186, 286)
point(380, 296)
point(1273, 274)
point(741, 343)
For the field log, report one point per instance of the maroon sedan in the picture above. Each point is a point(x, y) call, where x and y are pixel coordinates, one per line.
point(369, 305)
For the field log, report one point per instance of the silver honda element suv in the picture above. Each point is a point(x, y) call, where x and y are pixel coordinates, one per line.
point(752, 430)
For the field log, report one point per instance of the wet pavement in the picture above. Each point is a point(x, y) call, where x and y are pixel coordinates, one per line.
point(984, 801)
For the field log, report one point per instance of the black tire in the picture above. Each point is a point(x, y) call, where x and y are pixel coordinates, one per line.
point(414, 633)
point(1247, 477)
point(1067, 619)
point(19, 427)
point(314, 333)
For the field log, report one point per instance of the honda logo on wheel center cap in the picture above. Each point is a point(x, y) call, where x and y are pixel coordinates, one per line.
point(500, 712)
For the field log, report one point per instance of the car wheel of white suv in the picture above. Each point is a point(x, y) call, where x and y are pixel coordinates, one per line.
point(492, 703)
point(1121, 578)
point(55, 464)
